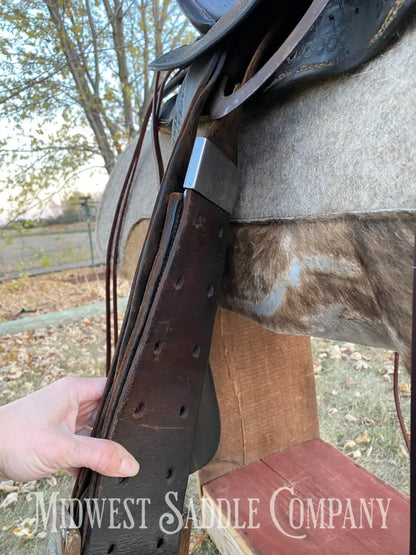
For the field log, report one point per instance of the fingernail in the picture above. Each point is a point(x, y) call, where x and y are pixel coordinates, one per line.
point(129, 467)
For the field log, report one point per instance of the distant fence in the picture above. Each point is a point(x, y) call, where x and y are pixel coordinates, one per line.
point(36, 250)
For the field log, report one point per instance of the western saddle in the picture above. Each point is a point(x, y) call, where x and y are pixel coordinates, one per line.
point(160, 400)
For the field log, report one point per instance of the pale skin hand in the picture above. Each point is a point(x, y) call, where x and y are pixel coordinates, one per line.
point(48, 431)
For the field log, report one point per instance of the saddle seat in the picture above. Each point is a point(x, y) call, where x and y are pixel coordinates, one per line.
point(305, 40)
point(203, 14)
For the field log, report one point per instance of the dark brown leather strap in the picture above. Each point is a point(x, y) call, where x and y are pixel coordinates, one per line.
point(162, 344)
point(173, 353)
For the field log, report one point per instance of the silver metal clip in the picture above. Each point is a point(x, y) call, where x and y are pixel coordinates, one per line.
point(213, 175)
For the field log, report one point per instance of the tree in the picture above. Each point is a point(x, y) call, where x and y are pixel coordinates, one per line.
point(74, 84)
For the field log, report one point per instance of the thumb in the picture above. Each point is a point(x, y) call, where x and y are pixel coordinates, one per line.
point(102, 455)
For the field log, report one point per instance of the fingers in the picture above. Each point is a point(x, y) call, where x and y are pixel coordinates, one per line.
point(85, 389)
point(73, 472)
point(102, 455)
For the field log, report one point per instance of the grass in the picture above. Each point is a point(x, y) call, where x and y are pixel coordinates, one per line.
point(354, 388)
point(345, 387)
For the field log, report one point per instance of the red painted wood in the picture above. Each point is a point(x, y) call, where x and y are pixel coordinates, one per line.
point(316, 471)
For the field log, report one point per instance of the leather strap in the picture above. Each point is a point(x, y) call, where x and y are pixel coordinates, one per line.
point(413, 422)
point(173, 181)
point(173, 351)
point(160, 343)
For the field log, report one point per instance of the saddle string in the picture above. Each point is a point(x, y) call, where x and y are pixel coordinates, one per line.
point(156, 102)
point(155, 108)
point(397, 401)
point(156, 105)
point(120, 208)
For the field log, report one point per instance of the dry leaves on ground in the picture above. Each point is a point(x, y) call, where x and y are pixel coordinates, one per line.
point(30, 296)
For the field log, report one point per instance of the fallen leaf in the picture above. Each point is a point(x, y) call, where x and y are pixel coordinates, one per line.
point(349, 347)
point(27, 486)
point(405, 389)
point(361, 365)
point(368, 422)
point(51, 480)
point(349, 382)
point(350, 444)
point(402, 451)
point(25, 529)
point(363, 438)
point(316, 367)
point(7, 486)
point(350, 418)
point(334, 351)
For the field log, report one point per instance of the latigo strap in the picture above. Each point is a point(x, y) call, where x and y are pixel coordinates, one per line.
point(161, 380)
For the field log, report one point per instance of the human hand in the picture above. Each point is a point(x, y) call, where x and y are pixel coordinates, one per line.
point(48, 430)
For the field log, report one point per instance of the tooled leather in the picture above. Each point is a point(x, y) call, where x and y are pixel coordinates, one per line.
point(333, 37)
point(345, 36)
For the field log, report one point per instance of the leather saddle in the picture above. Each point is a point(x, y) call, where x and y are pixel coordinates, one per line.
point(160, 400)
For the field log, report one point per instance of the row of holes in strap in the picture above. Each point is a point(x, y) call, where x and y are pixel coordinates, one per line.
point(183, 411)
point(157, 349)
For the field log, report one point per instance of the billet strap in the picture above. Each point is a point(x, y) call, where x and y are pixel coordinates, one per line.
point(157, 410)
point(160, 367)
point(131, 326)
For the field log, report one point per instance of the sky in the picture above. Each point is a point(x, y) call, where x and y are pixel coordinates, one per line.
point(90, 179)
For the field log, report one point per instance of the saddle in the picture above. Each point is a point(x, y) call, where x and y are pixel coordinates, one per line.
point(160, 400)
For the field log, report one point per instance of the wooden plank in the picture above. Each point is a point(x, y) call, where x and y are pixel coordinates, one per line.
point(330, 502)
point(227, 540)
point(266, 392)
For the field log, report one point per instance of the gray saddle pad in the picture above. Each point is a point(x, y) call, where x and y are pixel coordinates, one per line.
point(315, 153)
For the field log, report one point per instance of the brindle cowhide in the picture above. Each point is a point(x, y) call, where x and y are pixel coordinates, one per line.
point(324, 230)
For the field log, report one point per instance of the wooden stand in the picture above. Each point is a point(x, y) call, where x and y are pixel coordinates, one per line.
point(270, 453)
